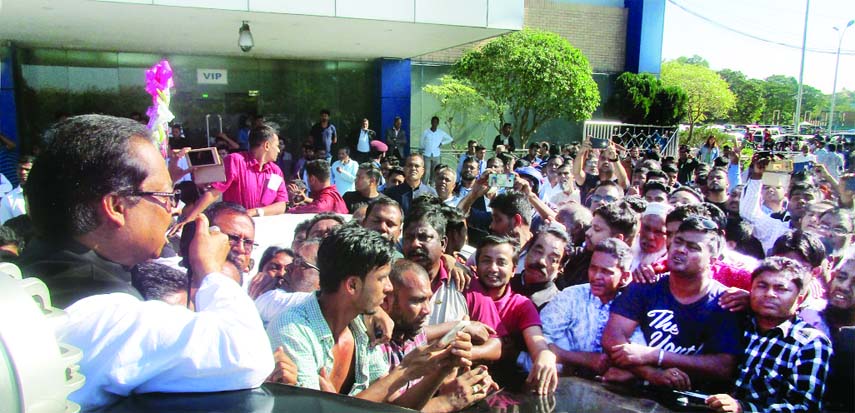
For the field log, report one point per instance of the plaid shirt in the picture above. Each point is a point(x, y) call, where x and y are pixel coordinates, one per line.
point(784, 369)
point(395, 353)
point(307, 339)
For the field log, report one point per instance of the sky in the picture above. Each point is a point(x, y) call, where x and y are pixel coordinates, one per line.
point(779, 21)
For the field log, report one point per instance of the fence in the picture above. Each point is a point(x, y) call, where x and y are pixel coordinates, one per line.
point(642, 136)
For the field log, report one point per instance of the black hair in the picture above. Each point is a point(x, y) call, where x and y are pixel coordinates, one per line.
point(350, 250)
point(23, 227)
point(428, 213)
point(322, 217)
point(214, 211)
point(554, 230)
point(26, 159)
point(9, 236)
point(491, 240)
point(690, 190)
point(371, 171)
point(511, 203)
point(303, 227)
point(618, 249)
point(189, 192)
point(325, 112)
point(657, 173)
point(807, 245)
point(272, 252)
point(400, 266)
point(455, 219)
point(649, 186)
point(796, 272)
point(156, 281)
point(345, 149)
point(319, 168)
point(86, 158)
point(622, 216)
point(740, 232)
point(434, 117)
point(382, 201)
point(260, 134)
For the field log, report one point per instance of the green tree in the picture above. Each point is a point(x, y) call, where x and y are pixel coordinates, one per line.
point(780, 92)
point(536, 75)
point(642, 99)
point(461, 103)
point(669, 106)
point(694, 60)
point(749, 96)
point(708, 94)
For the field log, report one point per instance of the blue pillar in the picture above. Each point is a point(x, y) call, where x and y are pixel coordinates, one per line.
point(645, 27)
point(394, 97)
point(8, 112)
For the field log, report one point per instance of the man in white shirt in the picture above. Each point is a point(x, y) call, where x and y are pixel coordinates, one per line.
point(14, 204)
point(132, 346)
point(432, 139)
point(344, 171)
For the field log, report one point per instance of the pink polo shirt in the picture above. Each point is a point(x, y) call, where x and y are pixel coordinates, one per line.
point(516, 312)
point(247, 186)
point(326, 200)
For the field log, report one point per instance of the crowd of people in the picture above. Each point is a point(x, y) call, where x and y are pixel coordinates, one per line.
point(431, 286)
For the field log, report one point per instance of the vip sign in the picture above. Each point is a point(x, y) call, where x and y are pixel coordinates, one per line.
point(212, 76)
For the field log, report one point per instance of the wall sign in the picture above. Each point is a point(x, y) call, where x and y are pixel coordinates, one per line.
point(212, 76)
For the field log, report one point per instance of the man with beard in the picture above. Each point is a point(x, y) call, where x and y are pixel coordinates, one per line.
point(717, 185)
point(326, 337)
point(691, 340)
point(424, 243)
point(837, 229)
point(609, 168)
point(766, 228)
point(542, 266)
point(731, 208)
point(566, 191)
point(412, 187)
point(652, 238)
point(409, 308)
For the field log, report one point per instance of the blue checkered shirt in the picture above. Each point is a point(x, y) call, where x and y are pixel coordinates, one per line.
point(784, 368)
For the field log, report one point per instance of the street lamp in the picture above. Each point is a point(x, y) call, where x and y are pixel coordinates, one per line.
point(836, 64)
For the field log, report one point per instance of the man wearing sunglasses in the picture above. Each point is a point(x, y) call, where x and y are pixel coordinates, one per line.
point(692, 342)
point(234, 221)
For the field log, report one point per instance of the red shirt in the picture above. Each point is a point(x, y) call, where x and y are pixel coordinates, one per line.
point(327, 200)
point(248, 186)
point(516, 312)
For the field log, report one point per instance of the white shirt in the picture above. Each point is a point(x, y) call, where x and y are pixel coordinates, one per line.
point(431, 141)
point(344, 180)
point(132, 346)
point(12, 205)
point(362, 144)
point(5, 185)
point(275, 301)
point(766, 228)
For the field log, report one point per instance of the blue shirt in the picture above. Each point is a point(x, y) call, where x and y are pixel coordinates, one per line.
point(702, 327)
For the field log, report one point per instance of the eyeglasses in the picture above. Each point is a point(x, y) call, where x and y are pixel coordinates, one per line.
point(604, 198)
point(172, 198)
point(300, 262)
point(235, 240)
point(834, 230)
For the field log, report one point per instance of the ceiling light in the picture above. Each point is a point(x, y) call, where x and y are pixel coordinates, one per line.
point(245, 37)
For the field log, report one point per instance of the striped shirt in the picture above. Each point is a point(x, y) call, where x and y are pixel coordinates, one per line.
point(784, 368)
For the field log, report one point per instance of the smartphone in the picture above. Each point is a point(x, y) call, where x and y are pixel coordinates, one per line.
point(202, 157)
point(597, 143)
point(451, 334)
point(502, 180)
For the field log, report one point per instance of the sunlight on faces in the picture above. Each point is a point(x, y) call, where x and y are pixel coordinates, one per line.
point(690, 253)
point(604, 195)
point(385, 219)
point(423, 245)
point(501, 224)
point(810, 221)
point(414, 168)
point(598, 232)
point(322, 228)
point(277, 265)
point(605, 275)
point(656, 195)
point(774, 295)
point(410, 306)
point(841, 290)
point(496, 265)
point(678, 198)
point(543, 260)
point(444, 183)
point(653, 236)
point(147, 220)
point(373, 289)
point(836, 230)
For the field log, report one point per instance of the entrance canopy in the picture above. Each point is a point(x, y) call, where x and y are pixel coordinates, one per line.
point(317, 29)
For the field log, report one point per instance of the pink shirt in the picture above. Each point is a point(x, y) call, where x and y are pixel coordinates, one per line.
point(247, 186)
point(516, 312)
point(327, 200)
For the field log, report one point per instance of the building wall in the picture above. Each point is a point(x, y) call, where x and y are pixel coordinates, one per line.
point(598, 31)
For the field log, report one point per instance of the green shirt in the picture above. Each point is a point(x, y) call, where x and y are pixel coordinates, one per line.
point(308, 340)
